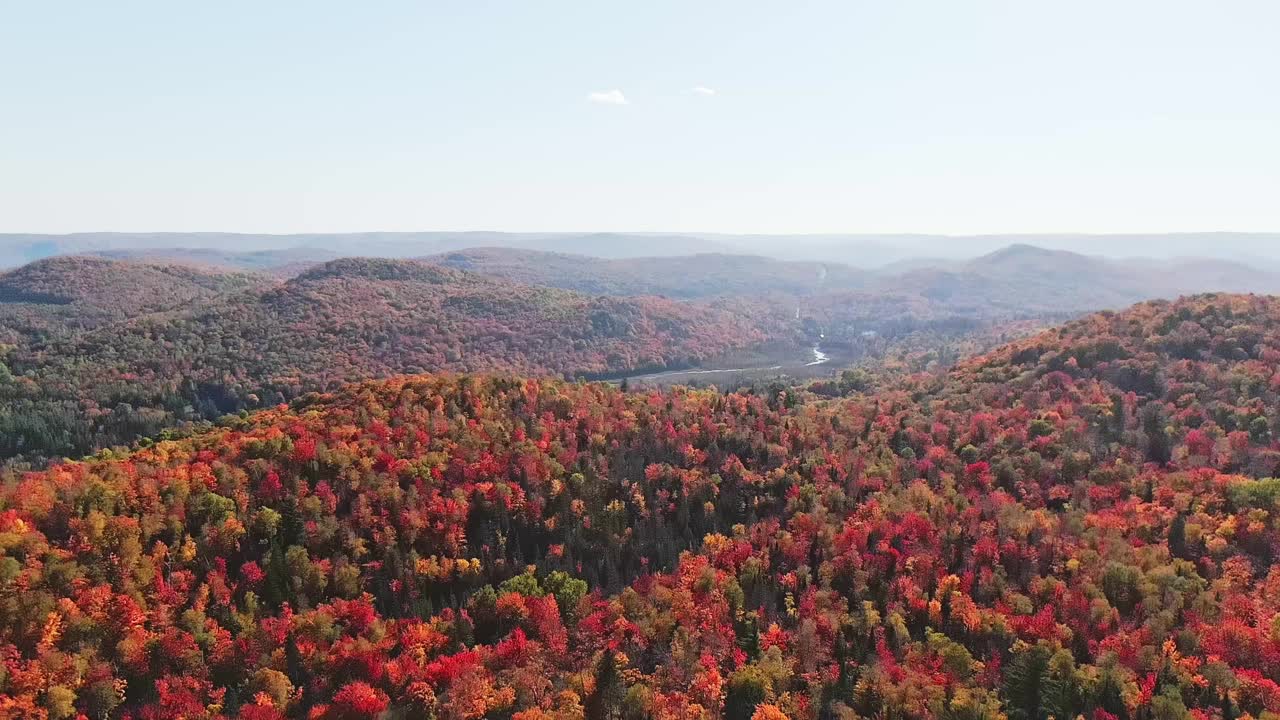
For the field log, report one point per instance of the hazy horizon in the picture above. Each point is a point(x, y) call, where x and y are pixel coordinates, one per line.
point(863, 250)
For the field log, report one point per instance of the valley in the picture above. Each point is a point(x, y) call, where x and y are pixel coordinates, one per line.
point(101, 352)
point(782, 363)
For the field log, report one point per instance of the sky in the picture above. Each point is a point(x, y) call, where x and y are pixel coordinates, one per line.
point(913, 116)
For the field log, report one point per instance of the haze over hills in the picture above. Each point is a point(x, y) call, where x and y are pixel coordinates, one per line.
point(1035, 279)
point(862, 251)
point(285, 262)
point(1078, 282)
point(874, 251)
point(1020, 277)
point(19, 248)
point(1028, 277)
point(699, 275)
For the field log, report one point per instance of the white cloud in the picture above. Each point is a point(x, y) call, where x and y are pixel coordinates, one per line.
point(702, 90)
point(608, 97)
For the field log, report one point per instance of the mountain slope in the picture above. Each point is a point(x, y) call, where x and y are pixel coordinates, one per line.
point(281, 263)
point(1031, 279)
point(1078, 524)
point(1019, 279)
point(56, 298)
point(620, 245)
point(692, 276)
point(344, 320)
point(127, 288)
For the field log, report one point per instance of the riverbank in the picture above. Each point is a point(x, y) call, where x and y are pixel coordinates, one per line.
point(786, 363)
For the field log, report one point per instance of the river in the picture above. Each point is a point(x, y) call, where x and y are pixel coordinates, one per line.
point(818, 358)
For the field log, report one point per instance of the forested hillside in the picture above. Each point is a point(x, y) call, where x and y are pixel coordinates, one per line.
point(98, 352)
point(281, 263)
point(1082, 523)
point(1022, 279)
point(73, 386)
point(693, 276)
point(1026, 278)
point(56, 297)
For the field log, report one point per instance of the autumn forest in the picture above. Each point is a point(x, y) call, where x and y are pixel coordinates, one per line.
point(434, 489)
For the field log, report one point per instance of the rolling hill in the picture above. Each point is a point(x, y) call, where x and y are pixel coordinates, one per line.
point(69, 392)
point(692, 276)
point(61, 296)
point(1019, 279)
point(128, 288)
point(97, 352)
point(283, 263)
point(1031, 279)
point(1079, 524)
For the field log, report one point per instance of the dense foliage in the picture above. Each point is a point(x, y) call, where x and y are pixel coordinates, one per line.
point(93, 364)
point(1079, 524)
point(53, 298)
point(96, 353)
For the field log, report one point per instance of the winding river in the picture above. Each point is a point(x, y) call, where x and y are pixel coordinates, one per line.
point(818, 358)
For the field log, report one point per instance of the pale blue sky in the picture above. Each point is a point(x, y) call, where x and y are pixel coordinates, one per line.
point(893, 116)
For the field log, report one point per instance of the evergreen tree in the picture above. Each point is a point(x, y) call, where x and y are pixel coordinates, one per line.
point(606, 703)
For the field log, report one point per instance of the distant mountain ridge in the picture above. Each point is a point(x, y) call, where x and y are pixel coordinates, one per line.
point(21, 248)
point(1027, 279)
point(283, 263)
point(868, 251)
point(690, 276)
point(1022, 278)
